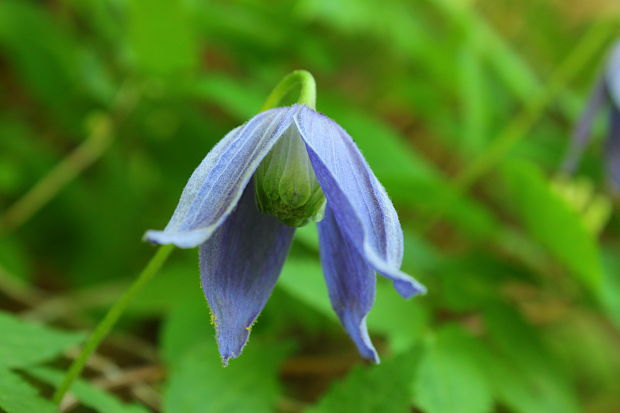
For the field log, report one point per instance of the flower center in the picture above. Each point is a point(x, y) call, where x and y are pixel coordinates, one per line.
point(285, 183)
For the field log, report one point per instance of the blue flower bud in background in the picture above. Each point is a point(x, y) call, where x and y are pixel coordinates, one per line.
point(303, 164)
point(605, 96)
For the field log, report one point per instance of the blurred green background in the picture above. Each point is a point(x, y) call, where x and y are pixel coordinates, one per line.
point(463, 109)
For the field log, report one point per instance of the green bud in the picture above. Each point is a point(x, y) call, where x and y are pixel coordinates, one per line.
point(285, 183)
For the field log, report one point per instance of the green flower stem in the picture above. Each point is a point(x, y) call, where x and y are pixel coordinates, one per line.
point(520, 126)
point(110, 319)
point(307, 94)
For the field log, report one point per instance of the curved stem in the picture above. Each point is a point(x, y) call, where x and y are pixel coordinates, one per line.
point(110, 319)
point(307, 94)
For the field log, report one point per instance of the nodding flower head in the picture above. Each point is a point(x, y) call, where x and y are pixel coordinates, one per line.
point(604, 97)
point(281, 169)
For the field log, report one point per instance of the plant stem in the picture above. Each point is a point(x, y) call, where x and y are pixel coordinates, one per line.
point(307, 94)
point(520, 126)
point(98, 141)
point(110, 319)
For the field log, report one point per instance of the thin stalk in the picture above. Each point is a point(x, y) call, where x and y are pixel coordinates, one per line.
point(307, 93)
point(110, 319)
point(98, 141)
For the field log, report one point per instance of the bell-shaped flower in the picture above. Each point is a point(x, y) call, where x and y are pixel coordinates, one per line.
point(604, 96)
point(281, 169)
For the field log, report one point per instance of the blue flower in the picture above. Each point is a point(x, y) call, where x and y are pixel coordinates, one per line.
point(604, 96)
point(242, 249)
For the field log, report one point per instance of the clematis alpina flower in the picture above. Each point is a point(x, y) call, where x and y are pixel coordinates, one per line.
point(281, 169)
point(606, 95)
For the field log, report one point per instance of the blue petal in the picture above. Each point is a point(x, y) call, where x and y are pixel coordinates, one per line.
point(216, 185)
point(612, 152)
point(350, 281)
point(613, 74)
point(239, 266)
point(583, 130)
point(361, 206)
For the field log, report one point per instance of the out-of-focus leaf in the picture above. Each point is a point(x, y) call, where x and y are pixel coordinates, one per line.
point(162, 36)
point(25, 344)
point(87, 394)
point(45, 55)
point(200, 384)
point(552, 223)
point(450, 378)
point(610, 292)
point(237, 99)
point(303, 279)
point(187, 324)
point(384, 388)
point(17, 396)
point(525, 375)
point(474, 98)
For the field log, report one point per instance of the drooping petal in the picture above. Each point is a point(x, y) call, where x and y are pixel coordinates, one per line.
point(612, 152)
point(350, 281)
point(216, 185)
point(359, 202)
point(583, 130)
point(612, 75)
point(239, 266)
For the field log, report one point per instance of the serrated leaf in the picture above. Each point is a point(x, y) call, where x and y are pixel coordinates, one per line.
point(384, 388)
point(552, 223)
point(450, 378)
point(87, 394)
point(200, 384)
point(17, 396)
point(25, 344)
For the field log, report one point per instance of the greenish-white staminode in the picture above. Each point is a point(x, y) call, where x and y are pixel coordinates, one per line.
point(285, 183)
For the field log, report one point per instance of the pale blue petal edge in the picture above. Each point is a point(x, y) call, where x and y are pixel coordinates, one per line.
point(216, 185)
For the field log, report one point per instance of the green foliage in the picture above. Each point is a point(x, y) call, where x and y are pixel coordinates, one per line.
point(253, 377)
point(88, 395)
point(385, 388)
point(17, 396)
point(25, 344)
point(450, 379)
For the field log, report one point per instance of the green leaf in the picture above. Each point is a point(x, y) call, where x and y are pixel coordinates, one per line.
point(450, 378)
point(200, 384)
point(187, 324)
point(384, 388)
point(25, 344)
point(17, 396)
point(474, 96)
point(303, 279)
point(89, 395)
point(526, 376)
point(552, 222)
